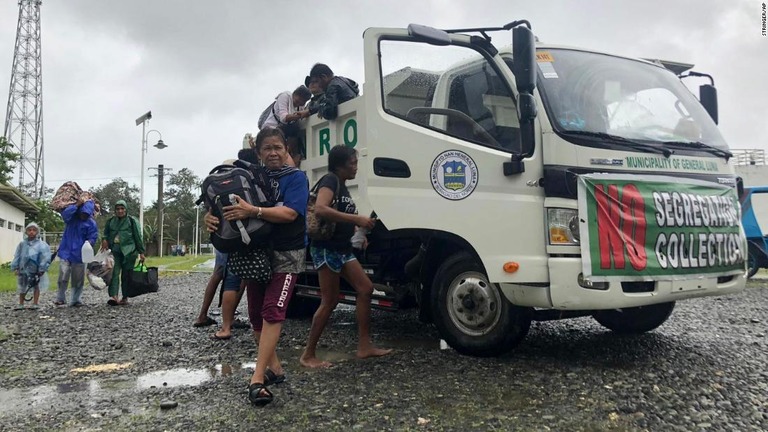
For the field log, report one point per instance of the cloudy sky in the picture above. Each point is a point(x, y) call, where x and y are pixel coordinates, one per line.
point(207, 68)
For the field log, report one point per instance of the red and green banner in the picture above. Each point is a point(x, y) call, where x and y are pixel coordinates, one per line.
point(658, 228)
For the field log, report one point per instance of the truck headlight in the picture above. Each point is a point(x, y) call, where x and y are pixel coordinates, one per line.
point(563, 227)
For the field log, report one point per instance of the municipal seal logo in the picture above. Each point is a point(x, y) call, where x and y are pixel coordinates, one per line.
point(454, 175)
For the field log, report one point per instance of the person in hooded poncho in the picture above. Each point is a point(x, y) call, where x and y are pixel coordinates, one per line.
point(123, 236)
point(30, 263)
point(80, 226)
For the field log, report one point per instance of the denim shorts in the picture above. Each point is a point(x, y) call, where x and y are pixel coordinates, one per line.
point(334, 260)
point(221, 258)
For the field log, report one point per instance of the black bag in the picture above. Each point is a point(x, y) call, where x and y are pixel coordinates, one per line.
point(251, 265)
point(318, 228)
point(250, 183)
point(140, 280)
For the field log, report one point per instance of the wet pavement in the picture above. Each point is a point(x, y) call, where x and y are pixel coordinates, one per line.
point(144, 367)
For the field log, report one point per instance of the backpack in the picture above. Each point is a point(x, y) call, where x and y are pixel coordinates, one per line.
point(265, 115)
point(251, 183)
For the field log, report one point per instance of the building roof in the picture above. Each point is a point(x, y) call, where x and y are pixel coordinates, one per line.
point(16, 198)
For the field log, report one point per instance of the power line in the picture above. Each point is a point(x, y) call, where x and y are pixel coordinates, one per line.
point(93, 178)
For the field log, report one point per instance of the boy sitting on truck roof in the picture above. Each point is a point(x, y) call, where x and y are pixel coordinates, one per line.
point(338, 90)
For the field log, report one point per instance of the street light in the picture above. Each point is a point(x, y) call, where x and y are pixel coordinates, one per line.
point(178, 227)
point(160, 145)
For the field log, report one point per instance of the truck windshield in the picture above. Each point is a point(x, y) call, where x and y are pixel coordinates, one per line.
point(592, 92)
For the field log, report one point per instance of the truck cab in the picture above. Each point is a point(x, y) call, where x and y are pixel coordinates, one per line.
point(531, 182)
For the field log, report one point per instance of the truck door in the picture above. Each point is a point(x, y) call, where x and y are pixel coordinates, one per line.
point(440, 122)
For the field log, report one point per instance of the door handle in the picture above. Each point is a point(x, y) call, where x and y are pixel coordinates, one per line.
point(388, 167)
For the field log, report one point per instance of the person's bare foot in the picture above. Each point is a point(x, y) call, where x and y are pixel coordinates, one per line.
point(314, 363)
point(372, 352)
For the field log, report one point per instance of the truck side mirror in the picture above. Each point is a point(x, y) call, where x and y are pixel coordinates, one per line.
point(524, 59)
point(708, 98)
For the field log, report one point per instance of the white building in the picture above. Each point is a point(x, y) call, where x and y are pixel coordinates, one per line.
point(751, 166)
point(14, 205)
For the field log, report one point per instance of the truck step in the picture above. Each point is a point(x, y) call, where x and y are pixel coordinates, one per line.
point(379, 300)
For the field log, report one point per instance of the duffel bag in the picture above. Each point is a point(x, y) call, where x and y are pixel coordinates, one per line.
point(140, 280)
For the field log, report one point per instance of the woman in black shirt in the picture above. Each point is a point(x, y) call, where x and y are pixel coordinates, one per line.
point(333, 258)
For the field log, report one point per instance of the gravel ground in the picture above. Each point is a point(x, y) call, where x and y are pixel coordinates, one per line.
point(705, 369)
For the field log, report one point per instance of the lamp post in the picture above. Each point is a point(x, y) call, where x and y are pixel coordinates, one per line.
point(196, 231)
point(178, 227)
point(160, 145)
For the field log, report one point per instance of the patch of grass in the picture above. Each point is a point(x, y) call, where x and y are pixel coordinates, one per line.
point(10, 373)
point(180, 263)
point(8, 278)
point(185, 263)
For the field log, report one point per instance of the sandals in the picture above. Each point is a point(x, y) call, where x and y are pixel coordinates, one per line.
point(112, 302)
point(271, 378)
point(259, 394)
point(208, 322)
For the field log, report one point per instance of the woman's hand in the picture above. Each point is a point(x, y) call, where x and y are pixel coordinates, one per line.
point(365, 222)
point(104, 244)
point(211, 222)
point(142, 258)
point(239, 210)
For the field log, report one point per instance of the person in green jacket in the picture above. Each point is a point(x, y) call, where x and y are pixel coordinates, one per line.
point(123, 236)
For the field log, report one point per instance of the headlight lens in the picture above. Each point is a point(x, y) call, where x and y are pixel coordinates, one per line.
point(563, 226)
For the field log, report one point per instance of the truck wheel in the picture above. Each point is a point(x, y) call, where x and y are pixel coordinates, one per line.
point(753, 261)
point(635, 320)
point(301, 307)
point(471, 313)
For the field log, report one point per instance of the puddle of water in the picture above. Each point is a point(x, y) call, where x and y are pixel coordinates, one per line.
point(173, 378)
point(48, 396)
point(406, 344)
point(206, 265)
point(335, 356)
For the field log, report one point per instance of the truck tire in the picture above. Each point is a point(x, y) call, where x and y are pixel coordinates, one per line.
point(753, 261)
point(301, 307)
point(634, 320)
point(471, 313)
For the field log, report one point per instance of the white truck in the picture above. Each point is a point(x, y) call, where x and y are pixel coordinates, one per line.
point(533, 183)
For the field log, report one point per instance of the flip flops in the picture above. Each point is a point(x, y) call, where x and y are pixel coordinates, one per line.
point(216, 337)
point(240, 324)
point(255, 394)
point(208, 322)
point(112, 302)
point(271, 378)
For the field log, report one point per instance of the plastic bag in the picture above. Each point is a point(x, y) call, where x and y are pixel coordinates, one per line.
point(99, 269)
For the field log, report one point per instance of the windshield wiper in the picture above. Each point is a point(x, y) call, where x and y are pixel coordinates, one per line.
point(706, 147)
point(621, 140)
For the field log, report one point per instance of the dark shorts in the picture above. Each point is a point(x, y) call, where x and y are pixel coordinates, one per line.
point(269, 302)
point(231, 282)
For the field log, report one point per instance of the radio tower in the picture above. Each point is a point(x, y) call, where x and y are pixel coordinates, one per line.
point(24, 116)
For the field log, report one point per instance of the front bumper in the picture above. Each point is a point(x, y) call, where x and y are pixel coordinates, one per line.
point(565, 293)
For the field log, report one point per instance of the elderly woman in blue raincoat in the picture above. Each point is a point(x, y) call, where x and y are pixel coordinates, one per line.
point(30, 263)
